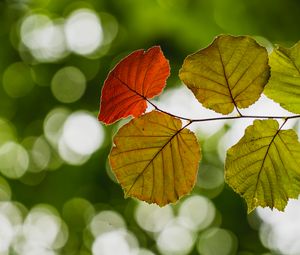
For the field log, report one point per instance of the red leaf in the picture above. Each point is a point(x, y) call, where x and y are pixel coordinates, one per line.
point(137, 77)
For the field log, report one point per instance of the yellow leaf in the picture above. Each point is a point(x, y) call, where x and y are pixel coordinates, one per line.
point(231, 72)
point(155, 159)
point(263, 167)
point(284, 84)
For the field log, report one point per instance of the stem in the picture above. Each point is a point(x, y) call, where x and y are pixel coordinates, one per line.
point(286, 118)
point(173, 115)
point(237, 109)
point(282, 125)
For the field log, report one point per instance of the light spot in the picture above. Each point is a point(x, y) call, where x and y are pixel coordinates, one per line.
point(10, 223)
point(69, 156)
point(280, 230)
point(153, 218)
point(82, 133)
point(217, 241)
point(41, 153)
point(68, 84)
point(81, 136)
point(42, 232)
point(145, 252)
point(34, 228)
point(115, 243)
point(14, 160)
point(12, 212)
point(53, 124)
point(106, 221)
point(196, 213)
point(83, 31)
point(211, 178)
point(32, 248)
point(7, 131)
point(175, 239)
point(6, 234)
point(5, 191)
point(44, 38)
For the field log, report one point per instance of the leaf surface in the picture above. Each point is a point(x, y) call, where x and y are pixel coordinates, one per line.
point(284, 84)
point(139, 76)
point(231, 72)
point(155, 159)
point(263, 167)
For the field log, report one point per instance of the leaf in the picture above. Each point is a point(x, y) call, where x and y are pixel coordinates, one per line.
point(263, 167)
point(139, 76)
point(155, 159)
point(231, 72)
point(284, 84)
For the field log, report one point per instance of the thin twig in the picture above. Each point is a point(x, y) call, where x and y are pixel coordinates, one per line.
point(286, 118)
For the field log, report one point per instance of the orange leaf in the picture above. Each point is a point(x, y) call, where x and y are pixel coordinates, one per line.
point(137, 77)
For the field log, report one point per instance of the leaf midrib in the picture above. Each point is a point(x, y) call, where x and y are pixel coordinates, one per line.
point(154, 157)
point(263, 161)
point(225, 76)
point(122, 82)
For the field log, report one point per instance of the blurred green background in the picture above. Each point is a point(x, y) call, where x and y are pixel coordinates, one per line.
point(57, 193)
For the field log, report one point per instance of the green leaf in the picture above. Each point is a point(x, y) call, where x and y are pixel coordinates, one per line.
point(155, 159)
point(231, 72)
point(284, 84)
point(263, 167)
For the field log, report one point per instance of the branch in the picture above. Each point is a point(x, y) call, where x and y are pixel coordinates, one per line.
point(286, 118)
